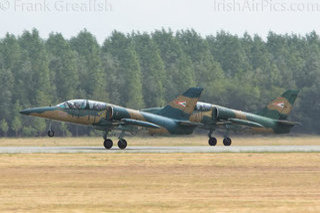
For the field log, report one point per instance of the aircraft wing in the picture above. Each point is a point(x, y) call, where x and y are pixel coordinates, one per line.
point(245, 123)
point(189, 123)
point(128, 121)
point(288, 123)
point(240, 122)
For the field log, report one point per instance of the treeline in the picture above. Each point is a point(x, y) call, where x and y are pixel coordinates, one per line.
point(145, 70)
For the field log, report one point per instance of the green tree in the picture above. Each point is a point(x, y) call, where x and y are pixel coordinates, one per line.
point(6, 88)
point(178, 66)
point(91, 76)
point(229, 52)
point(129, 72)
point(4, 127)
point(63, 67)
point(152, 69)
point(20, 66)
point(111, 69)
point(16, 120)
point(34, 51)
point(16, 125)
point(208, 72)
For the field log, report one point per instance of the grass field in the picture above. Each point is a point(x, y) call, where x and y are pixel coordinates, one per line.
point(283, 182)
point(161, 141)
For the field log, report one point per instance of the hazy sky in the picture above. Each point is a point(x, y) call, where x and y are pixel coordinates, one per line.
point(101, 17)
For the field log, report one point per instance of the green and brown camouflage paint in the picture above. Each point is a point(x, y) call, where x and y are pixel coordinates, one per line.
point(270, 120)
point(104, 116)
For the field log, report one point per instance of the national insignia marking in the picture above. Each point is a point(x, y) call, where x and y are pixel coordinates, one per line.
point(279, 104)
point(182, 103)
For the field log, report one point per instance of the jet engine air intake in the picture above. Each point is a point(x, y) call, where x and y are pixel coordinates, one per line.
point(222, 113)
point(215, 113)
point(109, 113)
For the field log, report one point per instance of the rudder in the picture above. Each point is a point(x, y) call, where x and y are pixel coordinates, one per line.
point(280, 107)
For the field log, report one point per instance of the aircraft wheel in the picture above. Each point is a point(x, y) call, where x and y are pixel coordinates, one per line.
point(122, 143)
point(227, 141)
point(212, 141)
point(50, 133)
point(108, 143)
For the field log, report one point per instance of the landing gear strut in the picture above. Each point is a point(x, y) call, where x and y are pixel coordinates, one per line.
point(50, 131)
point(212, 140)
point(122, 143)
point(227, 141)
point(108, 143)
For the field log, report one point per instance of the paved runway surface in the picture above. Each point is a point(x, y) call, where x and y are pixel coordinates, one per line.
point(160, 149)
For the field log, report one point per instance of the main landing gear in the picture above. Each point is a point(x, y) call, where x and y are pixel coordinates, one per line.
point(213, 141)
point(108, 143)
point(227, 141)
point(50, 131)
point(122, 143)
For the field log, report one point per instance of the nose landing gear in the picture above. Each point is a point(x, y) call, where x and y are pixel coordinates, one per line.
point(50, 131)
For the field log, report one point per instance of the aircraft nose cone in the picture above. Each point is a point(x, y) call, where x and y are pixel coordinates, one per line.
point(26, 111)
point(36, 110)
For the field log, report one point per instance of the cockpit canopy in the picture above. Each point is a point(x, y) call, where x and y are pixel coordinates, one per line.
point(83, 104)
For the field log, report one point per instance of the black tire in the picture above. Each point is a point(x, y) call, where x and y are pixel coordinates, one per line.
point(50, 133)
point(227, 141)
point(108, 144)
point(212, 141)
point(122, 144)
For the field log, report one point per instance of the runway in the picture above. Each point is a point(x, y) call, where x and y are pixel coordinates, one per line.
point(160, 149)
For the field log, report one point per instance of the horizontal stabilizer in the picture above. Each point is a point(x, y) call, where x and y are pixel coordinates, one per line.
point(128, 121)
point(245, 123)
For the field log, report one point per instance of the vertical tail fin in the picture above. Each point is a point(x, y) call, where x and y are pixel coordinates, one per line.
point(182, 107)
point(280, 107)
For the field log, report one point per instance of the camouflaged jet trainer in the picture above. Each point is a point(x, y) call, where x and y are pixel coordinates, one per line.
point(172, 119)
point(272, 119)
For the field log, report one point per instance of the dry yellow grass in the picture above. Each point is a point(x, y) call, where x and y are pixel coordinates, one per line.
point(160, 182)
point(161, 141)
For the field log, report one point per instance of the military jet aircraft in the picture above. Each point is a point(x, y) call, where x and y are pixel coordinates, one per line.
point(172, 119)
point(271, 119)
